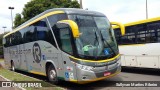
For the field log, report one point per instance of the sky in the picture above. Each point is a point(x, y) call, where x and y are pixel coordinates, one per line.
point(123, 11)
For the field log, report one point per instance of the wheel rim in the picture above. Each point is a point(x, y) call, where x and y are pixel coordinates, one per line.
point(52, 74)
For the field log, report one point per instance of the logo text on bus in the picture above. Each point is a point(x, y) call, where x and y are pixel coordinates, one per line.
point(36, 52)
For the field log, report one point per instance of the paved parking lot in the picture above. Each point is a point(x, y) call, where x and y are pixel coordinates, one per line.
point(127, 74)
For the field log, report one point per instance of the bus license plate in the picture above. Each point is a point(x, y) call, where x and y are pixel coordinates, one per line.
point(107, 73)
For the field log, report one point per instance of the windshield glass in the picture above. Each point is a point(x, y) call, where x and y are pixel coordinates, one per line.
point(96, 37)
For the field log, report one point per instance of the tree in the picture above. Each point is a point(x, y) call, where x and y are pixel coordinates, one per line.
point(1, 45)
point(18, 20)
point(35, 7)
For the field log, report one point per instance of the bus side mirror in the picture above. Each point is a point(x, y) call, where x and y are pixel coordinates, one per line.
point(73, 25)
point(122, 27)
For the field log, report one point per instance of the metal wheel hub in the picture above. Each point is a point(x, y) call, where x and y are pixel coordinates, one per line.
point(52, 74)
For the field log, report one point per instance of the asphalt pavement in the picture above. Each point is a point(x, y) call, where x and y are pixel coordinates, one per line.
point(127, 74)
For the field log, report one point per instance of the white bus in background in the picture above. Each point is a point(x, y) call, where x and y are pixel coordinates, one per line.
point(140, 46)
point(65, 44)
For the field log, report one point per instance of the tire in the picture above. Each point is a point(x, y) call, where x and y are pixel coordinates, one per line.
point(52, 75)
point(12, 66)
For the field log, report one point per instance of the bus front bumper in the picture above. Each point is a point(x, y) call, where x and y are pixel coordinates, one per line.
point(84, 76)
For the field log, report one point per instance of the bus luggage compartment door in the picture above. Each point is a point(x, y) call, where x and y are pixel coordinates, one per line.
point(147, 61)
point(130, 61)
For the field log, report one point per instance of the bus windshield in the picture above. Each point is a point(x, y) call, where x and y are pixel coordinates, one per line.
point(96, 37)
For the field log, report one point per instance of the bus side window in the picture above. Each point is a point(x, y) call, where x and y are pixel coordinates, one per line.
point(50, 37)
point(43, 32)
point(4, 42)
point(118, 35)
point(30, 34)
point(52, 20)
point(41, 29)
point(15, 38)
point(55, 18)
point(63, 37)
point(18, 37)
point(158, 34)
point(7, 41)
point(154, 31)
point(10, 40)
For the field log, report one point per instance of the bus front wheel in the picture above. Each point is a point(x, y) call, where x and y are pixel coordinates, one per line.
point(52, 75)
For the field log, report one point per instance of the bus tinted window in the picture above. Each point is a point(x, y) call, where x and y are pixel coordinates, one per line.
point(41, 28)
point(118, 35)
point(63, 37)
point(139, 34)
point(55, 18)
point(30, 34)
point(22, 36)
point(66, 40)
point(154, 31)
point(37, 31)
point(44, 32)
point(19, 37)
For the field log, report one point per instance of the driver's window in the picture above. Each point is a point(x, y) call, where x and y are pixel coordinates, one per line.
point(65, 40)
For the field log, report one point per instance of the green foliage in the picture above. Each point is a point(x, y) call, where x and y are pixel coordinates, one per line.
point(18, 20)
point(35, 7)
point(1, 45)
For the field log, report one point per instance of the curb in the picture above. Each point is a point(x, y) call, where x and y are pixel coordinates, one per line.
point(25, 76)
point(28, 77)
point(10, 80)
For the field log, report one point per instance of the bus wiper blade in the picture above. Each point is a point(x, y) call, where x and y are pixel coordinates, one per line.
point(96, 37)
point(107, 43)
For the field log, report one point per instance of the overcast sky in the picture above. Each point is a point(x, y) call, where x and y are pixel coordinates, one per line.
point(116, 10)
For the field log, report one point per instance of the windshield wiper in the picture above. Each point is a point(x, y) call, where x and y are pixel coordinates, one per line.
point(107, 43)
point(96, 37)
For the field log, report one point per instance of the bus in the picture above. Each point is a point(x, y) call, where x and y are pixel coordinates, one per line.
point(139, 47)
point(65, 44)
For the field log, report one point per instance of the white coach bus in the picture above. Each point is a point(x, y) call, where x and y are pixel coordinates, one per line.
point(140, 46)
point(65, 44)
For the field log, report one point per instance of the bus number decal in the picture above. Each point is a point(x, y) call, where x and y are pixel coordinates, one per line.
point(36, 52)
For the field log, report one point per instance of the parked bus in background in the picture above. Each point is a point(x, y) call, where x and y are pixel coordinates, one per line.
point(140, 46)
point(65, 44)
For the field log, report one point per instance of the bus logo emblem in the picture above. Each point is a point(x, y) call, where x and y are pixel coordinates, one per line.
point(36, 52)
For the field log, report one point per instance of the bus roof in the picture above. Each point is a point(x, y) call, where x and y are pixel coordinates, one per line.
point(143, 21)
point(140, 22)
point(55, 11)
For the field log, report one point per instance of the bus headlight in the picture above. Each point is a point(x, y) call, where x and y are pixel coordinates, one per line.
point(83, 67)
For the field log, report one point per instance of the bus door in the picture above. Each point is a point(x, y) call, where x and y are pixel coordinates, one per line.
point(69, 68)
point(65, 67)
point(60, 67)
point(64, 38)
point(23, 60)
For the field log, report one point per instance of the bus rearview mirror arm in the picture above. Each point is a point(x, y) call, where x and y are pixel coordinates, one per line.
point(74, 27)
point(122, 27)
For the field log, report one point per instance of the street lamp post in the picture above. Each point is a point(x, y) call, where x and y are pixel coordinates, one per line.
point(81, 6)
point(4, 28)
point(146, 9)
point(11, 15)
